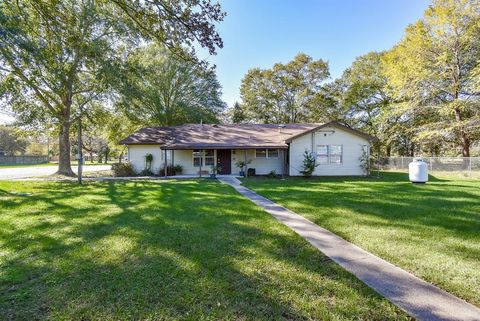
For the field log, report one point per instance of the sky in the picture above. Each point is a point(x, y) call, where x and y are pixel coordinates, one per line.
point(260, 33)
point(5, 119)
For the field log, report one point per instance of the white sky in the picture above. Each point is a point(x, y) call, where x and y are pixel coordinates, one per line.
point(5, 119)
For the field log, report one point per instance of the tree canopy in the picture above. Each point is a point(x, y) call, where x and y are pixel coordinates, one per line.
point(422, 96)
point(11, 141)
point(286, 93)
point(57, 58)
point(159, 89)
point(434, 69)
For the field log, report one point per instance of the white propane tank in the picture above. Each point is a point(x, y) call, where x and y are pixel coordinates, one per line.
point(418, 171)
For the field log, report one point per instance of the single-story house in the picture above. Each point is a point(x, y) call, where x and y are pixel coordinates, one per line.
point(337, 148)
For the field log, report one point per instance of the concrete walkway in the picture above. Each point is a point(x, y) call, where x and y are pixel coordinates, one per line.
point(418, 298)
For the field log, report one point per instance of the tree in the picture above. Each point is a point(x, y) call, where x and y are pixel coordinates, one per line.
point(285, 93)
point(57, 57)
point(238, 114)
point(308, 164)
point(11, 141)
point(160, 89)
point(435, 70)
point(368, 101)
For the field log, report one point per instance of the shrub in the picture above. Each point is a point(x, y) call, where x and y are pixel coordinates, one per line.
point(146, 172)
point(308, 165)
point(170, 170)
point(272, 174)
point(123, 170)
point(148, 164)
point(365, 161)
point(177, 169)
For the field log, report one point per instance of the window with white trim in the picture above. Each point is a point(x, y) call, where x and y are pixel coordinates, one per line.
point(272, 153)
point(260, 153)
point(266, 153)
point(197, 158)
point(203, 158)
point(209, 157)
point(336, 154)
point(329, 154)
point(322, 154)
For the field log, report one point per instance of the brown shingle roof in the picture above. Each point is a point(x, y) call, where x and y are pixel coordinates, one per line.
point(196, 136)
point(218, 136)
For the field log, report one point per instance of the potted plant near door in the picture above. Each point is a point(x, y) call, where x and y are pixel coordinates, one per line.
point(215, 169)
point(242, 165)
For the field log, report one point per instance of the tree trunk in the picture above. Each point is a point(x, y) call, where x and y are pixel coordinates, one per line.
point(389, 150)
point(64, 166)
point(465, 142)
point(107, 150)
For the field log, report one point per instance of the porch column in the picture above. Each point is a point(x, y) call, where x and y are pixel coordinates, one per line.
point(201, 163)
point(165, 163)
point(283, 162)
point(246, 165)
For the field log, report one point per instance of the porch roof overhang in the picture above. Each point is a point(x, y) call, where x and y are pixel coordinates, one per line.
point(213, 146)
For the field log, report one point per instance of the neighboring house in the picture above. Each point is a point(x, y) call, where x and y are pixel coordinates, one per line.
point(267, 147)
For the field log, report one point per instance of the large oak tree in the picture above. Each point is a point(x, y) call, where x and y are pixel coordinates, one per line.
point(160, 89)
point(57, 57)
point(286, 93)
point(434, 69)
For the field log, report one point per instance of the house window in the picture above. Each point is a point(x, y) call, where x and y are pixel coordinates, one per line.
point(197, 158)
point(207, 159)
point(322, 154)
point(336, 154)
point(272, 153)
point(260, 153)
point(266, 153)
point(329, 154)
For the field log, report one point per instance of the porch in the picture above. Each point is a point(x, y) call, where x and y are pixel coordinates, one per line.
point(202, 162)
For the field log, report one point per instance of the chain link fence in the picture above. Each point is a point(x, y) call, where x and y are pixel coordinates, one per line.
point(23, 160)
point(439, 164)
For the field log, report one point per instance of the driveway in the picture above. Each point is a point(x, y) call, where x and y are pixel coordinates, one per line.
point(28, 172)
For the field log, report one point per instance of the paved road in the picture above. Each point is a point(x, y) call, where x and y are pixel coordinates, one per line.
point(38, 171)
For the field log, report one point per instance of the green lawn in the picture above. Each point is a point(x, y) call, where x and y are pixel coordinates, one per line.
point(432, 230)
point(163, 250)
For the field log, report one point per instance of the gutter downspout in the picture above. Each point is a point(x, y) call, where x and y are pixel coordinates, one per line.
point(166, 172)
point(201, 163)
point(246, 165)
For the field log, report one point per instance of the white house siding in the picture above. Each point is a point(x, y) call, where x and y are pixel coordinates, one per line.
point(185, 158)
point(136, 156)
point(262, 166)
point(352, 150)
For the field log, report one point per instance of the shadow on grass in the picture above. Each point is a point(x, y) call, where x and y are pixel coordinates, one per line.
point(170, 250)
point(435, 225)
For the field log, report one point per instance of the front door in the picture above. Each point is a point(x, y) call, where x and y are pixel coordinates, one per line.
point(224, 160)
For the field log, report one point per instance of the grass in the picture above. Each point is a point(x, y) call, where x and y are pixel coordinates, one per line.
point(163, 250)
point(432, 230)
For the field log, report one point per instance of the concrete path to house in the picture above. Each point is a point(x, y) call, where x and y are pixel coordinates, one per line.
point(12, 173)
point(418, 298)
